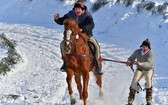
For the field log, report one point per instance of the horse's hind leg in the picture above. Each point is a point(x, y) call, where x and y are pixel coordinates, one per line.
point(69, 82)
point(99, 83)
point(79, 85)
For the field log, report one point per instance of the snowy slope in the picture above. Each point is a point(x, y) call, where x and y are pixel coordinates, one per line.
point(120, 30)
point(39, 76)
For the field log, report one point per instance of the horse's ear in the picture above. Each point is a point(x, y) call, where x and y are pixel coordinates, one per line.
point(65, 23)
point(72, 24)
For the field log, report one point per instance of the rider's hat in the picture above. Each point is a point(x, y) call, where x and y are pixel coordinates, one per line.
point(146, 43)
point(79, 5)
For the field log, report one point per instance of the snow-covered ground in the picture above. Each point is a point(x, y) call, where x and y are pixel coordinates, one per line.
point(120, 30)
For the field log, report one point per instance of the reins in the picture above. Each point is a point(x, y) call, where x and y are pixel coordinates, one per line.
point(85, 42)
point(80, 55)
point(74, 46)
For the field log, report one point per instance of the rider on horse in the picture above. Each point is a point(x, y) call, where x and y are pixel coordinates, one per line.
point(86, 24)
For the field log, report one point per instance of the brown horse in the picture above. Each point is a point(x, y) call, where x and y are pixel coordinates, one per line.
point(79, 61)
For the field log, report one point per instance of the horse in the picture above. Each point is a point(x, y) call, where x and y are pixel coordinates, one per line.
point(79, 61)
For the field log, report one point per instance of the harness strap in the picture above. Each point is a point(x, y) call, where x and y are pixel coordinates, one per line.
point(81, 55)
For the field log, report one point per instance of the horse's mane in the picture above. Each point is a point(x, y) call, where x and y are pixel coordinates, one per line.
point(73, 26)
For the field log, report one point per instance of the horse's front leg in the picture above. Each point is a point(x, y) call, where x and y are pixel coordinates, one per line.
point(70, 74)
point(79, 85)
point(85, 87)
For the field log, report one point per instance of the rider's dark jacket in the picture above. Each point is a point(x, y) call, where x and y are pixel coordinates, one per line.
point(85, 20)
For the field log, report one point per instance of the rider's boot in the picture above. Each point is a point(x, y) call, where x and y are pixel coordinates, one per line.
point(148, 96)
point(99, 66)
point(131, 96)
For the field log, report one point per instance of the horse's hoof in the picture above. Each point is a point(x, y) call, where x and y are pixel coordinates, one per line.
point(100, 94)
point(73, 101)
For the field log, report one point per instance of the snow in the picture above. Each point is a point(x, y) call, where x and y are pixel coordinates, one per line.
point(119, 30)
point(3, 52)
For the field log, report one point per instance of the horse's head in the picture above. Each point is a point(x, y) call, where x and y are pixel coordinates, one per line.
point(71, 34)
point(70, 24)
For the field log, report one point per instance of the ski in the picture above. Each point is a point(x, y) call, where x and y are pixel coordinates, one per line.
point(144, 103)
point(11, 96)
point(141, 104)
point(148, 104)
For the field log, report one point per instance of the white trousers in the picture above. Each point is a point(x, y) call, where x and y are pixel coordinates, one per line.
point(97, 47)
point(137, 77)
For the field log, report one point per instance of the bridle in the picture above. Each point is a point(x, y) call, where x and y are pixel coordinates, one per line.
point(67, 41)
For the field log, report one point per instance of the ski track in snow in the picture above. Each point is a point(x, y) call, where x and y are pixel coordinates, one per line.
point(40, 82)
